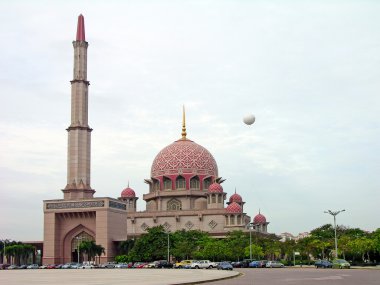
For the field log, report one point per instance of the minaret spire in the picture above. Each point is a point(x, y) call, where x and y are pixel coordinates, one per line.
point(80, 29)
point(183, 123)
point(79, 133)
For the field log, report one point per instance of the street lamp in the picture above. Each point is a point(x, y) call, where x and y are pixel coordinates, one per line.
point(79, 239)
point(168, 233)
point(335, 214)
point(250, 227)
point(4, 240)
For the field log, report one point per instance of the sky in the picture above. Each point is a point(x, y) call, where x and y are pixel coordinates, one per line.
point(308, 70)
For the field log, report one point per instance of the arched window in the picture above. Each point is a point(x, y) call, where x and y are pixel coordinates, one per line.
point(167, 184)
point(156, 184)
point(213, 198)
point(232, 219)
point(219, 198)
point(174, 205)
point(238, 221)
point(206, 183)
point(194, 183)
point(180, 183)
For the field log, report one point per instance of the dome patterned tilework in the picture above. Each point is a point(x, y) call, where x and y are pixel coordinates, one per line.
point(184, 156)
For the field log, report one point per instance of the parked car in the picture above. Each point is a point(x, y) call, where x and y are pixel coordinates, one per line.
point(255, 264)
point(76, 265)
point(43, 266)
point(323, 264)
point(87, 265)
point(224, 265)
point(274, 264)
point(340, 263)
point(121, 265)
point(33, 266)
point(164, 264)
point(23, 266)
point(245, 263)
point(139, 264)
point(12, 267)
point(108, 265)
point(4, 266)
point(183, 263)
point(199, 264)
point(68, 265)
point(236, 264)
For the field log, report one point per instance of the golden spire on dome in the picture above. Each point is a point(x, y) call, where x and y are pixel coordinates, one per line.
point(183, 123)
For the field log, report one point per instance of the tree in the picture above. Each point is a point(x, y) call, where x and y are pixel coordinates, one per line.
point(237, 241)
point(150, 246)
point(92, 249)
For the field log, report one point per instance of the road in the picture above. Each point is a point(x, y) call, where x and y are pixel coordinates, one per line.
point(302, 276)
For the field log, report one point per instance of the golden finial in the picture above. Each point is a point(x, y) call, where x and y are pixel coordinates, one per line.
point(183, 123)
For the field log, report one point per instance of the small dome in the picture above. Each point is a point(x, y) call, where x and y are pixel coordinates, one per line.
point(234, 208)
point(259, 219)
point(236, 198)
point(128, 193)
point(215, 188)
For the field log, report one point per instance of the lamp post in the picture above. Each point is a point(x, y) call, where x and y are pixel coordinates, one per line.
point(79, 239)
point(334, 214)
point(250, 225)
point(4, 240)
point(168, 233)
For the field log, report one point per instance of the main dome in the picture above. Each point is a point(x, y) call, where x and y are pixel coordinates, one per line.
point(184, 156)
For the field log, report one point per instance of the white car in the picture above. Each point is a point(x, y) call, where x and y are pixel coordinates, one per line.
point(33, 266)
point(199, 264)
point(272, 264)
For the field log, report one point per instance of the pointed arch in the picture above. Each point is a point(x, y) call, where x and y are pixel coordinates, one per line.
point(174, 205)
point(195, 183)
point(180, 183)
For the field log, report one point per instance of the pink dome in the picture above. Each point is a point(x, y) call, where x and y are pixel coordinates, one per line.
point(184, 156)
point(236, 198)
point(128, 193)
point(259, 219)
point(215, 188)
point(234, 208)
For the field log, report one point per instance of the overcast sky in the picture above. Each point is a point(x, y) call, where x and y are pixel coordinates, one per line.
point(308, 70)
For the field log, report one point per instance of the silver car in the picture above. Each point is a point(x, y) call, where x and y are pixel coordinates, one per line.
point(273, 264)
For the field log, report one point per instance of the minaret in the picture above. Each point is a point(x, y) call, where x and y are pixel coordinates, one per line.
point(79, 132)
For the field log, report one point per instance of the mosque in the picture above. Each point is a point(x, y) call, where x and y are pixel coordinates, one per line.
point(184, 189)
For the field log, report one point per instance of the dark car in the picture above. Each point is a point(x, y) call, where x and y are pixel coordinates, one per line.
point(236, 264)
point(163, 264)
point(224, 265)
point(245, 263)
point(323, 264)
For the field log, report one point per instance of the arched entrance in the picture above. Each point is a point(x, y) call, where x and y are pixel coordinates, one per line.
point(76, 255)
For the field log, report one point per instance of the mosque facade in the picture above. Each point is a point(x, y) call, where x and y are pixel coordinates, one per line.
point(184, 189)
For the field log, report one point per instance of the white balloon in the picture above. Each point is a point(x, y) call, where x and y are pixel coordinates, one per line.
point(249, 119)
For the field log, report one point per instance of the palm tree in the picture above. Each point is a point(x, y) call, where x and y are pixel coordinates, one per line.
point(99, 250)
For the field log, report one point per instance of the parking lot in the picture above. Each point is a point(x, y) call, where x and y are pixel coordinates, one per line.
point(110, 276)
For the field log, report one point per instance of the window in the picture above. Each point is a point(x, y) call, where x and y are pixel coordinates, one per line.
point(219, 198)
point(194, 183)
point(227, 220)
point(213, 198)
point(174, 205)
point(206, 183)
point(232, 220)
point(156, 185)
point(180, 183)
point(167, 184)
